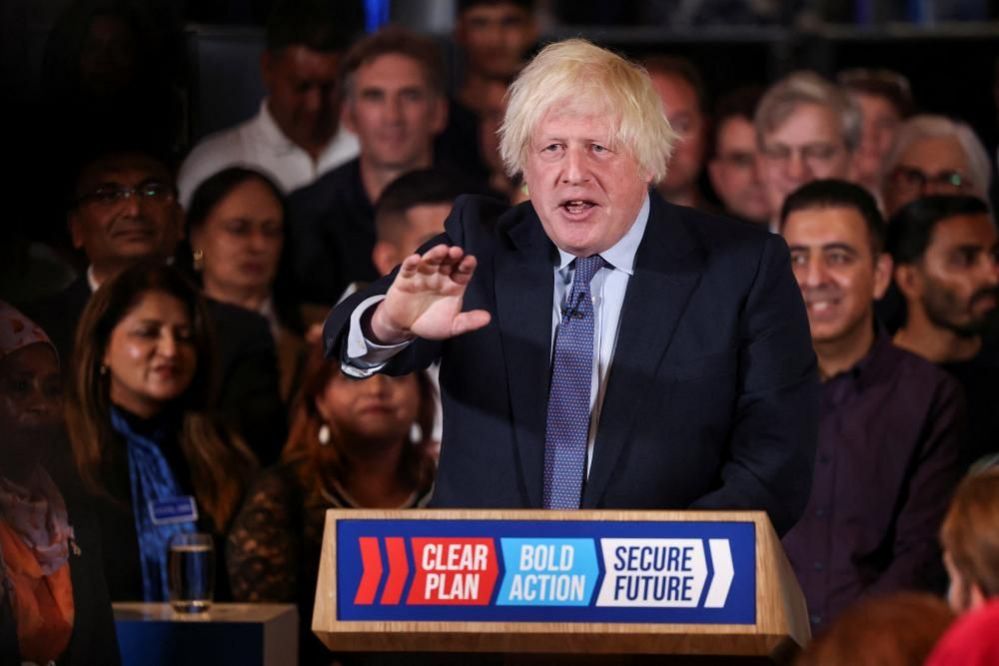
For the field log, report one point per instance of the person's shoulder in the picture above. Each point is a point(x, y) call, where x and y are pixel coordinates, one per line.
point(914, 370)
point(477, 216)
point(234, 323)
point(711, 227)
point(342, 177)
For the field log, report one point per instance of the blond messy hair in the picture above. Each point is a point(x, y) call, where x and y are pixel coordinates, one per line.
point(582, 77)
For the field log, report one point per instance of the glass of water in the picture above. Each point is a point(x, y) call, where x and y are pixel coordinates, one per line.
point(191, 572)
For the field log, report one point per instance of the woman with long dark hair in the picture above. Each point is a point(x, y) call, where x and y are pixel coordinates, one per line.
point(141, 423)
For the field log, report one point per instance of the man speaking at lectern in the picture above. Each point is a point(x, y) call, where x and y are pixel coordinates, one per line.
point(599, 347)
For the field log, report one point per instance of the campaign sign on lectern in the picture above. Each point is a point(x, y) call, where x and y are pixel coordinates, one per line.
point(544, 571)
point(609, 582)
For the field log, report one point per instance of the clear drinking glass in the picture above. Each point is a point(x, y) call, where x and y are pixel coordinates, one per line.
point(191, 571)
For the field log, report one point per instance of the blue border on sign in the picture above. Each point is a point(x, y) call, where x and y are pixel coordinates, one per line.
point(740, 606)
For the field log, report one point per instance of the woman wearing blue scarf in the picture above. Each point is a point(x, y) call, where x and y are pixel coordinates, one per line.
point(139, 414)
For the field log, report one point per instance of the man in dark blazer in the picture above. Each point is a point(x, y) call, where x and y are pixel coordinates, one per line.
point(703, 391)
point(123, 210)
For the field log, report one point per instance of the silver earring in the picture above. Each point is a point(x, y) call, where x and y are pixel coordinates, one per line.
point(324, 434)
point(198, 260)
point(104, 369)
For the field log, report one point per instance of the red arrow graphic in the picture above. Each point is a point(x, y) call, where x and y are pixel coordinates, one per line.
point(398, 568)
point(371, 559)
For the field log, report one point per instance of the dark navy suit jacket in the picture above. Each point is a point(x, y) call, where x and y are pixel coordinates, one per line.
point(712, 400)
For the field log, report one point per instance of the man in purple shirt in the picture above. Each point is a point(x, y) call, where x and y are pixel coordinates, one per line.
point(890, 425)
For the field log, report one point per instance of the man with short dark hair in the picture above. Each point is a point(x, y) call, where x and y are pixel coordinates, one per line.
point(395, 103)
point(944, 248)
point(411, 211)
point(295, 138)
point(494, 37)
point(734, 165)
point(124, 209)
point(889, 432)
point(681, 90)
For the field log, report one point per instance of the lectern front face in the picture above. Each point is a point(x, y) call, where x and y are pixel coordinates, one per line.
point(537, 581)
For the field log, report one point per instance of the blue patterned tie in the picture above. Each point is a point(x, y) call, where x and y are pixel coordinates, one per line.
point(569, 397)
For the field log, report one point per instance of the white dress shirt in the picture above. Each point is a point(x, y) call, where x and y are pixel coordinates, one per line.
point(260, 144)
point(608, 288)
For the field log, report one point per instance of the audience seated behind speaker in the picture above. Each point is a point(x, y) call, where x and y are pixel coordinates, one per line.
point(54, 605)
point(236, 246)
point(296, 136)
point(353, 443)
point(142, 426)
point(895, 630)
point(394, 100)
point(122, 208)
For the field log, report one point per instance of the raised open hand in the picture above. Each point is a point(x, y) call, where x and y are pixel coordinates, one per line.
point(425, 298)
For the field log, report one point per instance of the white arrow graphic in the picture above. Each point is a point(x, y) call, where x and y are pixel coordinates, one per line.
point(721, 582)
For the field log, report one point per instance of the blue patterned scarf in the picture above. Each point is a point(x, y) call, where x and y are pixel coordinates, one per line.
point(151, 480)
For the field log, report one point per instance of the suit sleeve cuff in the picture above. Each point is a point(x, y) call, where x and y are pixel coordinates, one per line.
point(362, 357)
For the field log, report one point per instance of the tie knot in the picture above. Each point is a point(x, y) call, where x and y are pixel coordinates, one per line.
point(587, 267)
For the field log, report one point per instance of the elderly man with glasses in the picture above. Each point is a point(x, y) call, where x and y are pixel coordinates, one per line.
point(807, 128)
point(935, 155)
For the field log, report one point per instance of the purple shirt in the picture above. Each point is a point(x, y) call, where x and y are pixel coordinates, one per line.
point(887, 461)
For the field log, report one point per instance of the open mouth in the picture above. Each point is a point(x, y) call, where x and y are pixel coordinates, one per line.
point(577, 206)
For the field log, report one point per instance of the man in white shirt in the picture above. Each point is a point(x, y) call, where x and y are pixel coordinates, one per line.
point(295, 137)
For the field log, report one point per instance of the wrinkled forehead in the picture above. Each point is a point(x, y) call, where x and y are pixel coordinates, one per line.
point(591, 117)
point(126, 169)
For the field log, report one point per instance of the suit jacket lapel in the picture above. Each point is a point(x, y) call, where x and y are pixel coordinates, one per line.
point(667, 270)
point(524, 283)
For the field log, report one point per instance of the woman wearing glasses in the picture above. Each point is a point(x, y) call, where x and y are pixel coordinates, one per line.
point(141, 424)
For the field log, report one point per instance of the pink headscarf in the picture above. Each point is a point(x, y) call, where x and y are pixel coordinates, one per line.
point(36, 511)
point(17, 331)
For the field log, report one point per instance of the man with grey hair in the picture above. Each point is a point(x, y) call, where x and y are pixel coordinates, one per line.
point(600, 347)
point(807, 128)
point(935, 155)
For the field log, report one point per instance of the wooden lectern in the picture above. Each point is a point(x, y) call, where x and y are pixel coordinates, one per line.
point(709, 583)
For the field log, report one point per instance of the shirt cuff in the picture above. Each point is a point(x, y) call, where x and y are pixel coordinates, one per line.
point(362, 357)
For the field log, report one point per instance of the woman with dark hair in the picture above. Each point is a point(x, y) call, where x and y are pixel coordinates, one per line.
point(236, 230)
point(139, 415)
point(353, 443)
point(54, 604)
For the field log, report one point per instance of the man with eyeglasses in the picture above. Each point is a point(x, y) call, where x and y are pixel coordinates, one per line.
point(944, 249)
point(123, 209)
point(807, 129)
point(734, 166)
point(935, 155)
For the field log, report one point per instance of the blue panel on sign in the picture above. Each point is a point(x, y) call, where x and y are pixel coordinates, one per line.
point(546, 571)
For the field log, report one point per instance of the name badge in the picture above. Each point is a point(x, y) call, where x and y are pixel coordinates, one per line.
point(173, 510)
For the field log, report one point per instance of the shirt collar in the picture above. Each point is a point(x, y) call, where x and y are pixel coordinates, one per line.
point(621, 255)
point(272, 134)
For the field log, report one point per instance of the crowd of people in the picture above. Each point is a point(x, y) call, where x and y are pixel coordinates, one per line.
point(178, 352)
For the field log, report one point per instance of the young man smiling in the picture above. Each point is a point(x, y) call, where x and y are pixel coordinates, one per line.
point(890, 425)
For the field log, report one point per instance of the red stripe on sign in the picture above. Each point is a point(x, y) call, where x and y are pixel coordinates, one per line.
point(398, 568)
point(371, 559)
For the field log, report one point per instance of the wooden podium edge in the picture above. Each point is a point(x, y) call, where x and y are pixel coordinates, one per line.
point(781, 626)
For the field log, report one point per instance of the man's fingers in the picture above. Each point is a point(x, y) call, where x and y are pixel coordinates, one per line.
point(465, 269)
point(409, 266)
point(472, 320)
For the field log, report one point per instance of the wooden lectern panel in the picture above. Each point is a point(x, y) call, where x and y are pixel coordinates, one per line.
point(777, 625)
